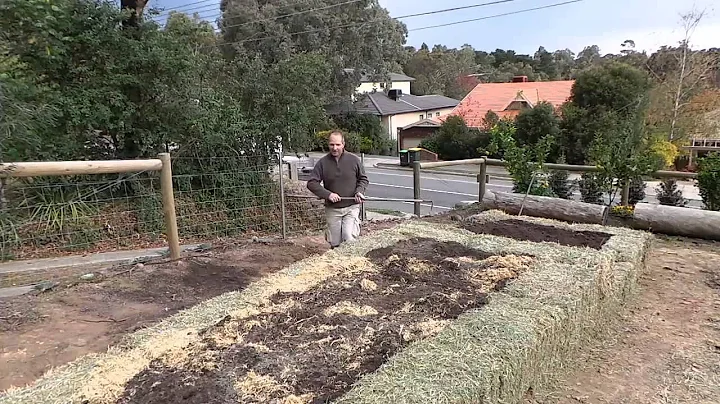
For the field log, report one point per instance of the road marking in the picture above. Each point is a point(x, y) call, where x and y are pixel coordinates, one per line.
point(440, 179)
point(425, 189)
point(427, 178)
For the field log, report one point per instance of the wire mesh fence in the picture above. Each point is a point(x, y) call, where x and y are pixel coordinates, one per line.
point(50, 216)
point(215, 198)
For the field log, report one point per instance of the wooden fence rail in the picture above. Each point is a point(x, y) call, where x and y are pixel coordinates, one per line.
point(484, 162)
point(61, 168)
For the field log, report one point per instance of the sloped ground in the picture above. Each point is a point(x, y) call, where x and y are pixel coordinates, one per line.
point(423, 312)
point(667, 348)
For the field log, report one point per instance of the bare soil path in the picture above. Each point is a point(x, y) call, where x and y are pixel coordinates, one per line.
point(667, 350)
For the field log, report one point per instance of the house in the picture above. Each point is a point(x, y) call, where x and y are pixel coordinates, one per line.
point(397, 109)
point(411, 135)
point(509, 99)
point(370, 84)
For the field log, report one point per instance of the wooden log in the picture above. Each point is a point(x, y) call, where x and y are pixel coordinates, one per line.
point(678, 221)
point(42, 168)
point(550, 208)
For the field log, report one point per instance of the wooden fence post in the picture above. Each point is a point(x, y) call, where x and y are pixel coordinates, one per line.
point(482, 178)
point(168, 199)
point(416, 186)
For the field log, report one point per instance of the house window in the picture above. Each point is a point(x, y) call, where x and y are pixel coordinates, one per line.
point(421, 117)
point(437, 114)
point(382, 85)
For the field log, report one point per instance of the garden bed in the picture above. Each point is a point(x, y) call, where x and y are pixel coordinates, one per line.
point(423, 312)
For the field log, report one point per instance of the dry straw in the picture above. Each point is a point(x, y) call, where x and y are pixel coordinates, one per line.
point(521, 339)
point(527, 335)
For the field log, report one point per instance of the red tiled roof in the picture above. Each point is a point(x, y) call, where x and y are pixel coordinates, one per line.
point(496, 97)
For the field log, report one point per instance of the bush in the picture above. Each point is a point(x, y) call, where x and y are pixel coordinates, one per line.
point(709, 181)
point(591, 188)
point(559, 184)
point(666, 153)
point(454, 140)
point(669, 195)
point(637, 191)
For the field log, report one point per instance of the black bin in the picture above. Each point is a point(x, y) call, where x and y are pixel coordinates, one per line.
point(414, 154)
point(404, 155)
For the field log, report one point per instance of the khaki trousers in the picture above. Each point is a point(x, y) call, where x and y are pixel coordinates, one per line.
point(343, 224)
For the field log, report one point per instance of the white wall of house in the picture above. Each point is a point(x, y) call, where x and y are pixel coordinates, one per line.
point(369, 87)
point(393, 122)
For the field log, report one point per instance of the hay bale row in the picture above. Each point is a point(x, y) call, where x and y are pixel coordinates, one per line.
point(523, 337)
point(527, 335)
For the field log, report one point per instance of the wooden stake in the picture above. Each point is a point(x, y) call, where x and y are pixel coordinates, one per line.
point(168, 199)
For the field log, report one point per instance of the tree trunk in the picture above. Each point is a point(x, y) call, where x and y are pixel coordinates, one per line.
point(550, 208)
point(678, 221)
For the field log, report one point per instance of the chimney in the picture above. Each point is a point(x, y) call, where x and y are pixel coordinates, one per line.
point(395, 94)
point(520, 79)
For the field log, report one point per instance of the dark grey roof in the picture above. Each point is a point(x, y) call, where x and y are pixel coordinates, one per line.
point(367, 78)
point(379, 103)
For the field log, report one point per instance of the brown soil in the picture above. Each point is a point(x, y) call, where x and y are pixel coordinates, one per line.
point(333, 334)
point(537, 233)
point(667, 349)
point(38, 332)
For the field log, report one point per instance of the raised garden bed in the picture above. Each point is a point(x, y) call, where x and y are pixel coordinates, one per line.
point(423, 312)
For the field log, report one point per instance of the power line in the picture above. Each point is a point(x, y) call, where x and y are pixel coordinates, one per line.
point(446, 10)
point(409, 30)
point(182, 6)
point(497, 15)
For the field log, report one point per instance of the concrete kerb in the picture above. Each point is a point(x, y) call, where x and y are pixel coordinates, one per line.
point(76, 261)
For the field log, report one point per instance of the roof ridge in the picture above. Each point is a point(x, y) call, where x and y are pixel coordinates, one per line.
point(375, 104)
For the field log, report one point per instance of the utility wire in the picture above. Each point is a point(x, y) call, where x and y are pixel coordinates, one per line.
point(183, 6)
point(497, 15)
point(354, 24)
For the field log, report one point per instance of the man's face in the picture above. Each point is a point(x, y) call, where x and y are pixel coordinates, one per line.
point(336, 144)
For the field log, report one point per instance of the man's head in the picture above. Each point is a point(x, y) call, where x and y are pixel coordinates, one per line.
point(336, 143)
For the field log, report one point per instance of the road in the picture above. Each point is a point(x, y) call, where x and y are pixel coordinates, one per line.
point(447, 190)
point(444, 190)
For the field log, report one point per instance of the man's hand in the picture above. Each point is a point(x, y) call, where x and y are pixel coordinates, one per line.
point(359, 198)
point(334, 198)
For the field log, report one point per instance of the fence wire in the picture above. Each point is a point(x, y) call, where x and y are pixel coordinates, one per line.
point(50, 216)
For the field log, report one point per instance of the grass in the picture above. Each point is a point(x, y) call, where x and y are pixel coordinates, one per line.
point(524, 338)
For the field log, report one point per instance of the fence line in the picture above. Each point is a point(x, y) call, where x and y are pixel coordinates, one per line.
point(483, 178)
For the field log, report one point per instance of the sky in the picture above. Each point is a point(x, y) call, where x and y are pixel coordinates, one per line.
point(606, 23)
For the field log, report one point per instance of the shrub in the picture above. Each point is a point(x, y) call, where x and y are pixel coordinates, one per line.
point(668, 194)
point(561, 187)
point(591, 188)
point(666, 152)
point(709, 181)
point(454, 140)
point(637, 191)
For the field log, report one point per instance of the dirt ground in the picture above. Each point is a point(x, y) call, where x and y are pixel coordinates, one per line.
point(667, 349)
point(328, 337)
point(537, 233)
point(44, 330)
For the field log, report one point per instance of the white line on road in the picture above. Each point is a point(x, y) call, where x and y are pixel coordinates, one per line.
point(425, 190)
point(425, 178)
point(438, 179)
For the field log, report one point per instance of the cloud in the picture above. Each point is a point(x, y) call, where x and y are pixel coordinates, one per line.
point(650, 40)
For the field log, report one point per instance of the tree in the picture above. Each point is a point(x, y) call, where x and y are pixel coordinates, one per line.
point(605, 101)
point(525, 163)
point(360, 36)
point(535, 123)
point(683, 73)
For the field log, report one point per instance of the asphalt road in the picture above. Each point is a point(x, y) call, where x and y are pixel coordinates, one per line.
point(444, 190)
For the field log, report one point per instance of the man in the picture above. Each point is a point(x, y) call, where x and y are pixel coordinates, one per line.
point(342, 176)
